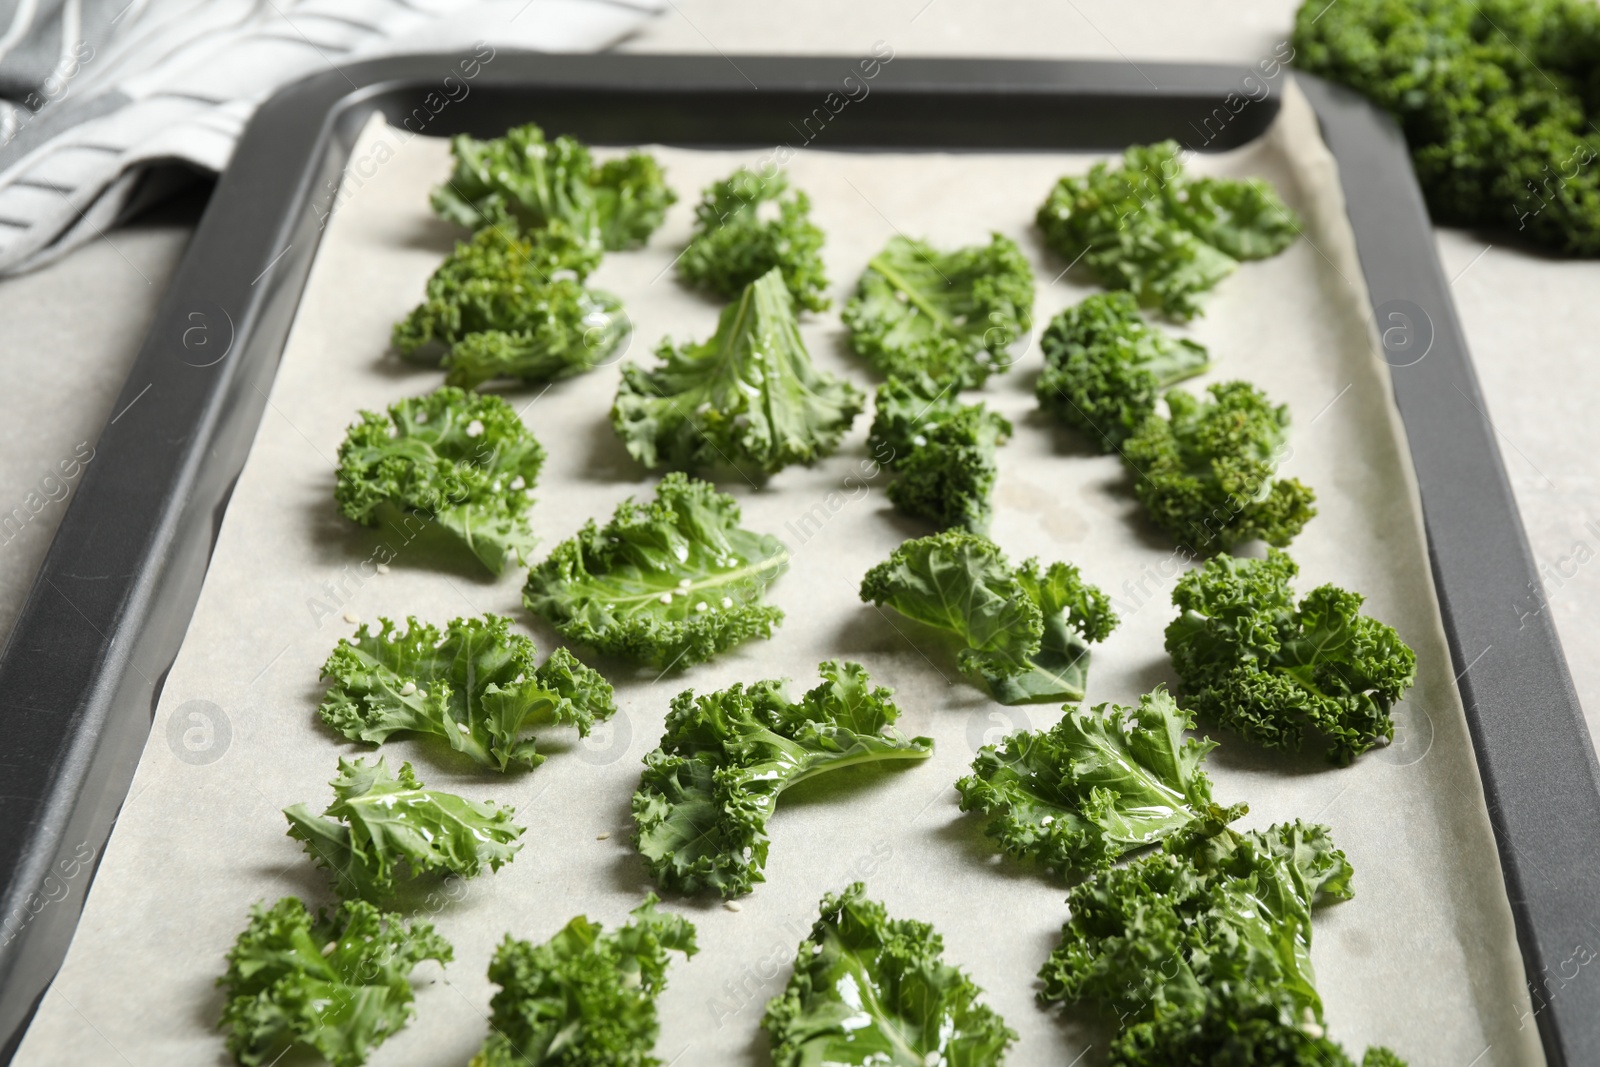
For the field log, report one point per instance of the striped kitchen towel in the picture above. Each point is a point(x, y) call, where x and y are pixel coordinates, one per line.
point(93, 93)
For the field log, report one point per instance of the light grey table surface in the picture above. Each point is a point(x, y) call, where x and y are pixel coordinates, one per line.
point(71, 330)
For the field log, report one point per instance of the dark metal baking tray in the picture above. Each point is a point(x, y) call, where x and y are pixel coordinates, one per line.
point(81, 675)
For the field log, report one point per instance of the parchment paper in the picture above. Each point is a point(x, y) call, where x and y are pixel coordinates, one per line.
point(1423, 959)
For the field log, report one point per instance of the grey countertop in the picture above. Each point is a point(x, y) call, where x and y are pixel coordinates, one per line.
point(72, 329)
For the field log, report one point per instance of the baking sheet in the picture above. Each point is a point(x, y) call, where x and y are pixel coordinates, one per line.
point(1423, 959)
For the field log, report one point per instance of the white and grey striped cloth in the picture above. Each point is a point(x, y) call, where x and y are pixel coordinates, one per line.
point(96, 94)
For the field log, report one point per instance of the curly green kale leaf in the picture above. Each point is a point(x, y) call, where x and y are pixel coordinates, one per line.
point(1495, 99)
point(701, 811)
point(526, 182)
point(1237, 1025)
point(1026, 633)
point(1242, 218)
point(339, 984)
point(748, 398)
point(378, 821)
point(631, 198)
point(1208, 474)
point(475, 686)
point(1214, 905)
point(871, 990)
point(1203, 950)
point(951, 315)
point(481, 283)
point(566, 330)
point(1251, 660)
point(496, 308)
point(462, 460)
point(584, 998)
point(520, 179)
point(1105, 367)
point(736, 241)
point(1149, 228)
point(1096, 786)
point(670, 583)
point(942, 451)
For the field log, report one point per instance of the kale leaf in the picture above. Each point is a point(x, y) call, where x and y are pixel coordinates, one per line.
point(871, 990)
point(1098, 785)
point(1149, 228)
point(1203, 950)
point(584, 998)
point(1208, 474)
point(951, 315)
point(339, 983)
point(1105, 367)
point(1253, 661)
point(670, 583)
point(748, 398)
point(475, 686)
point(701, 811)
point(631, 197)
point(565, 329)
point(378, 821)
point(1495, 99)
point(736, 241)
point(1026, 633)
point(497, 308)
point(521, 180)
point(525, 182)
point(461, 460)
point(942, 451)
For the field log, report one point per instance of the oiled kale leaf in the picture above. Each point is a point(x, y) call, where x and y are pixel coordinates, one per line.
point(951, 315)
point(748, 398)
point(379, 821)
point(1203, 950)
point(1208, 473)
point(1105, 367)
point(669, 583)
point(707, 792)
point(941, 451)
point(1025, 632)
point(1166, 237)
point(461, 461)
point(526, 182)
point(338, 983)
point(873, 991)
point(586, 997)
point(1250, 659)
point(1098, 785)
point(748, 225)
point(475, 686)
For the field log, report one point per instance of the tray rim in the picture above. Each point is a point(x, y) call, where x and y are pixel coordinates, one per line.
point(81, 673)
